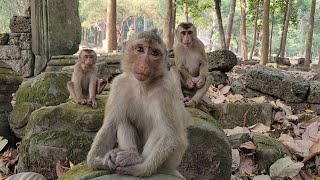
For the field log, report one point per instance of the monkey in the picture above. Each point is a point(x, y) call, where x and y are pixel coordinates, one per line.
point(144, 126)
point(85, 84)
point(191, 64)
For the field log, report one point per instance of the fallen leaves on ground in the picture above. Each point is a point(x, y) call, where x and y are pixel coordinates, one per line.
point(8, 161)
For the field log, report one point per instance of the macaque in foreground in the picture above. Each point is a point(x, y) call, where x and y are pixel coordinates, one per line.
point(84, 83)
point(191, 70)
point(144, 123)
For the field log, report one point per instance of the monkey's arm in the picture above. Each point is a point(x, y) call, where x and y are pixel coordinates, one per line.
point(92, 90)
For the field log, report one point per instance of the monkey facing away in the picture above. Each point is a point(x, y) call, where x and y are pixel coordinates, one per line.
point(84, 83)
point(144, 123)
point(191, 70)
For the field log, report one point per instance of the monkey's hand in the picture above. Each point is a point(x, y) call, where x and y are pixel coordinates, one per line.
point(128, 157)
point(189, 102)
point(200, 82)
point(189, 83)
point(137, 170)
point(93, 102)
point(110, 158)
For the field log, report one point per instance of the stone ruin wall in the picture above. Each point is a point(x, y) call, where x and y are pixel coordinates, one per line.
point(15, 47)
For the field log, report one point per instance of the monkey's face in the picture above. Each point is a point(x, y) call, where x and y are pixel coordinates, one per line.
point(88, 59)
point(145, 59)
point(186, 36)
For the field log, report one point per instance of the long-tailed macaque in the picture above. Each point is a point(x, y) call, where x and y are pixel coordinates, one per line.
point(84, 83)
point(144, 123)
point(191, 70)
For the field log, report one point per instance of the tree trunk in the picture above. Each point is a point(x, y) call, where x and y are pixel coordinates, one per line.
point(185, 10)
point(265, 33)
point(217, 4)
point(272, 24)
point(308, 57)
point(285, 30)
point(173, 23)
point(243, 33)
point(255, 30)
point(167, 24)
point(230, 22)
point(111, 28)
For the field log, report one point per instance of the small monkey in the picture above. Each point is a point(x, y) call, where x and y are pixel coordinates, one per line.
point(191, 70)
point(84, 83)
point(144, 123)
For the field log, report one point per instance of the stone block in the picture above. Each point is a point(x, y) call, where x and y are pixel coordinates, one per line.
point(22, 40)
point(20, 24)
point(277, 83)
point(222, 60)
point(9, 52)
point(314, 93)
point(4, 37)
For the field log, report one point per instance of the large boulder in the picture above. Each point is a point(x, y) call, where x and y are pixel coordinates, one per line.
point(66, 131)
point(57, 133)
point(276, 83)
point(47, 89)
point(230, 115)
point(221, 60)
point(268, 151)
point(314, 94)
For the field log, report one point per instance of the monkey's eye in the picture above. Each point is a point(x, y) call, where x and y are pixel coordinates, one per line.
point(140, 48)
point(155, 53)
point(183, 33)
point(190, 32)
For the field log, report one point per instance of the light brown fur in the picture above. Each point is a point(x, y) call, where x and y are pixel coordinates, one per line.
point(143, 114)
point(191, 70)
point(84, 83)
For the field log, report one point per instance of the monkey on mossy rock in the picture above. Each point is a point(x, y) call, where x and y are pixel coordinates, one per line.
point(144, 128)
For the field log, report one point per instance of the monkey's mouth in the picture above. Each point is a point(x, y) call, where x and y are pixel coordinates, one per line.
point(141, 77)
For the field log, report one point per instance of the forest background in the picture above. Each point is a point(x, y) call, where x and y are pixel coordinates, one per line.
point(221, 24)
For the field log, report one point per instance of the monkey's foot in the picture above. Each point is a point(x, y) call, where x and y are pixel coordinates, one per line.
point(101, 85)
point(128, 157)
point(82, 101)
point(111, 158)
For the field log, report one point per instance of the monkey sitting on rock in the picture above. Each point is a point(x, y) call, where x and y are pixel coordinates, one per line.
point(191, 70)
point(144, 128)
point(85, 84)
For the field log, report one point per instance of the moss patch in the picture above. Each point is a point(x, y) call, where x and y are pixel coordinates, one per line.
point(46, 89)
point(82, 171)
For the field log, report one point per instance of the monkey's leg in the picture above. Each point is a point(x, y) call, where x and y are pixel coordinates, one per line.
point(177, 78)
point(92, 92)
point(202, 91)
point(103, 142)
point(127, 139)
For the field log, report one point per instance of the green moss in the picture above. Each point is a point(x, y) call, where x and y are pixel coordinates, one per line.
point(306, 117)
point(21, 113)
point(83, 171)
point(10, 77)
point(46, 89)
point(198, 115)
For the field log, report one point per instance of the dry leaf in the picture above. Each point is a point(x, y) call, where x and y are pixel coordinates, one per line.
point(259, 127)
point(315, 147)
point(3, 142)
point(225, 89)
point(235, 97)
point(285, 167)
point(262, 177)
point(235, 159)
point(248, 145)
point(61, 170)
point(292, 117)
point(306, 175)
point(307, 123)
point(309, 111)
point(246, 166)
point(260, 99)
point(300, 147)
point(279, 116)
point(312, 133)
point(284, 107)
point(236, 130)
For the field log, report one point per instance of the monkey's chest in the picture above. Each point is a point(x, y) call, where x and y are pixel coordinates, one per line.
point(192, 63)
